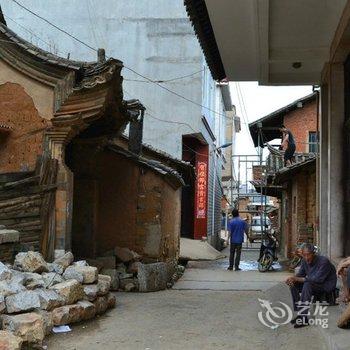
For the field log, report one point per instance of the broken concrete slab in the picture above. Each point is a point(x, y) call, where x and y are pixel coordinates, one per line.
point(9, 341)
point(152, 277)
point(22, 302)
point(83, 274)
point(5, 272)
point(65, 260)
point(67, 314)
point(88, 309)
point(29, 326)
point(90, 292)
point(8, 236)
point(71, 291)
point(113, 274)
point(191, 249)
point(31, 262)
point(49, 299)
point(126, 255)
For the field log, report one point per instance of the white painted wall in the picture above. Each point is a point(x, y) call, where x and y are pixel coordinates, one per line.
point(155, 38)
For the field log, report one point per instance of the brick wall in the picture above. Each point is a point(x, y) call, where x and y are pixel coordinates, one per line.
point(300, 122)
point(299, 224)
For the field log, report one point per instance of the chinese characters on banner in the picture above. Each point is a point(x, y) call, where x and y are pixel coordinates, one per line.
point(201, 190)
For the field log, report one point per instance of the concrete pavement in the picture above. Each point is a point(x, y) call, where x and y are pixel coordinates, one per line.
point(219, 312)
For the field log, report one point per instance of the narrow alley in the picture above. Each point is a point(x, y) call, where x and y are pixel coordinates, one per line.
point(200, 312)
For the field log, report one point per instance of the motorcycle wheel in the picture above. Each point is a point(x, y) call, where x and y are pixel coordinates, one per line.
point(295, 262)
point(265, 262)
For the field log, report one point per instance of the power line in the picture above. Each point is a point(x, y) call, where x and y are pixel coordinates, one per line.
point(126, 67)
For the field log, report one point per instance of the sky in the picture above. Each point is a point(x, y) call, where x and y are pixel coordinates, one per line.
point(259, 101)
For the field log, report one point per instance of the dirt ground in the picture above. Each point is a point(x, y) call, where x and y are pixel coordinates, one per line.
point(211, 309)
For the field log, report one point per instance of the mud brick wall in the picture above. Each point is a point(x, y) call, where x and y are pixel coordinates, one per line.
point(119, 203)
point(300, 122)
point(19, 148)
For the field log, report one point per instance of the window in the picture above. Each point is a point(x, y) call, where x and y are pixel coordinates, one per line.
point(312, 142)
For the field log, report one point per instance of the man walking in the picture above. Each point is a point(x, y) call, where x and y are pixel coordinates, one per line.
point(237, 227)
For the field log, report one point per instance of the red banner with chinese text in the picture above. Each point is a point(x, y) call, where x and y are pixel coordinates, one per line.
point(201, 190)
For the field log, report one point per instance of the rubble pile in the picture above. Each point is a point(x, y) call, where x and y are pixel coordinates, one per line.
point(130, 273)
point(36, 295)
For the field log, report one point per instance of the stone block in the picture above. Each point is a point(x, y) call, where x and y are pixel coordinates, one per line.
point(65, 260)
point(71, 291)
point(126, 255)
point(51, 278)
point(83, 274)
point(22, 302)
point(67, 314)
point(29, 326)
point(90, 292)
point(113, 274)
point(5, 272)
point(11, 287)
point(33, 280)
point(103, 284)
point(111, 301)
point(124, 282)
point(49, 299)
point(101, 305)
point(9, 341)
point(72, 274)
point(130, 287)
point(2, 304)
point(47, 319)
point(31, 262)
point(53, 267)
point(89, 309)
point(81, 263)
point(152, 277)
point(134, 267)
point(8, 236)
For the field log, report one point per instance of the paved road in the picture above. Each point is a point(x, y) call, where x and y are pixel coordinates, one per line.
point(209, 309)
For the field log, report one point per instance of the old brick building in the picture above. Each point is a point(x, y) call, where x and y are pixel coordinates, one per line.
point(294, 186)
point(67, 182)
point(300, 117)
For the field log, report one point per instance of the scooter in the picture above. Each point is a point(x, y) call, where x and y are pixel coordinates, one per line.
point(268, 248)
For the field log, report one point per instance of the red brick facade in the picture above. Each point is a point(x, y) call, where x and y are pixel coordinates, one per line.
point(300, 122)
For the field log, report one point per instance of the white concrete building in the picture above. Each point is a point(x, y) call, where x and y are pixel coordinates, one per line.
point(185, 108)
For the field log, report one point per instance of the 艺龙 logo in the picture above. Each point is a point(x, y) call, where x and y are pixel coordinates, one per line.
point(274, 316)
